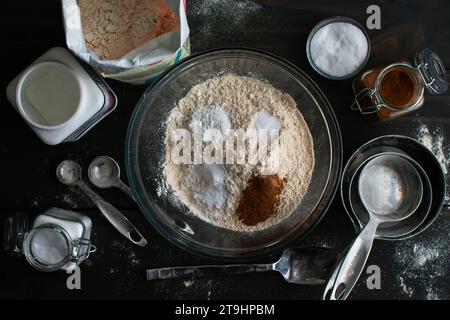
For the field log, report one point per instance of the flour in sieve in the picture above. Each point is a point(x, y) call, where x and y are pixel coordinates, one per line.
point(212, 191)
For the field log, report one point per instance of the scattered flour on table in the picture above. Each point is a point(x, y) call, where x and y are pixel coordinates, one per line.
point(431, 295)
point(188, 283)
point(68, 200)
point(123, 249)
point(34, 203)
point(213, 17)
point(423, 262)
point(210, 286)
point(133, 259)
point(124, 264)
point(235, 12)
point(424, 255)
point(405, 288)
point(433, 139)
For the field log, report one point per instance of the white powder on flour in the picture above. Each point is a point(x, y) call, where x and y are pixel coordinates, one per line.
point(338, 49)
point(207, 183)
point(214, 122)
point(265, 121)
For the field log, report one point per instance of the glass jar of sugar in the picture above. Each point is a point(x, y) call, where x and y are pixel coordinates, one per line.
point(57, 240)
point(399, 88)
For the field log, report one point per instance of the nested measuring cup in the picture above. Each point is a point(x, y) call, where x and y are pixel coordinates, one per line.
point(404, 187)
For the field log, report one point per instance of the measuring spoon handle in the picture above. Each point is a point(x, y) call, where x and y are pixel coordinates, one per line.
point(213, 270)
point(125, 189)
point(349, 270)
point(115, 217)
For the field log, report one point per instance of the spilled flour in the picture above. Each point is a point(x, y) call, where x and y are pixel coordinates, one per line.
point(424, 255)
point(433, 139)
point(422, 264)
point(188, 283)
point(235, 12)
point(214, 17)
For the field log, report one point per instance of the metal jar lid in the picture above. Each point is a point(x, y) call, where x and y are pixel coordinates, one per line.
point(15, 230)
point(432, 70)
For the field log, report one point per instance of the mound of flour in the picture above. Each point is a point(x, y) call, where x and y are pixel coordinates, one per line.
point(212, 191)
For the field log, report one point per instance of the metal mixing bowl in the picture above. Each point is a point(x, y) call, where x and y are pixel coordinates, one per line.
point(145, 153)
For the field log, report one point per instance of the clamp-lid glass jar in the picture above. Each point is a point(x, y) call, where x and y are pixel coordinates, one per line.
point(399, 88)
point(58, 239)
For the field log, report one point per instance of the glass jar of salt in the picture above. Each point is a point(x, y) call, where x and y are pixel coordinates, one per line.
point(57, 240)
point(399, 88)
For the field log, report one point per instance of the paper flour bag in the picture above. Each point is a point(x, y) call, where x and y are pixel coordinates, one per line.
point(132, 41)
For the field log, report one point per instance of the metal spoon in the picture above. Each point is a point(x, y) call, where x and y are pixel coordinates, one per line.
point(69, 173)
point(297, 265)
point(104, 173)
point(391, 190)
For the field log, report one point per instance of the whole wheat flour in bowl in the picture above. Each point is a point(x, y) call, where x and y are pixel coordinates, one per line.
point(113, 28)
point(228, 186)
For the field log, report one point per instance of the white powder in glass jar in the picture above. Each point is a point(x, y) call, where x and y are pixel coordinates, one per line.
point(49, 247)
point(338, 49)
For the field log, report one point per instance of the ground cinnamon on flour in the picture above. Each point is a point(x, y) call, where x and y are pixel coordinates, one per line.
point(260, 199)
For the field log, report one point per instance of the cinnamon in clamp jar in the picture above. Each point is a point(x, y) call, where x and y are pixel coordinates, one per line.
point(399, 88)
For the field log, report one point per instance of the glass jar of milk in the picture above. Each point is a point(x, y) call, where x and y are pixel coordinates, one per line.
point(60, 98)
point(57, 240)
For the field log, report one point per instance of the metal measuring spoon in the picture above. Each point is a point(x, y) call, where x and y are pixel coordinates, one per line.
point(104, 173)
point(69, 173)
point(297, 265)
point(391, 200)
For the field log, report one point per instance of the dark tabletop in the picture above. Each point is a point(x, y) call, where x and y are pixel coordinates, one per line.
point(415, 268)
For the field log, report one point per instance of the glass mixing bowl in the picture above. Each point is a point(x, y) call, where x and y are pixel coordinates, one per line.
point(145, 154)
